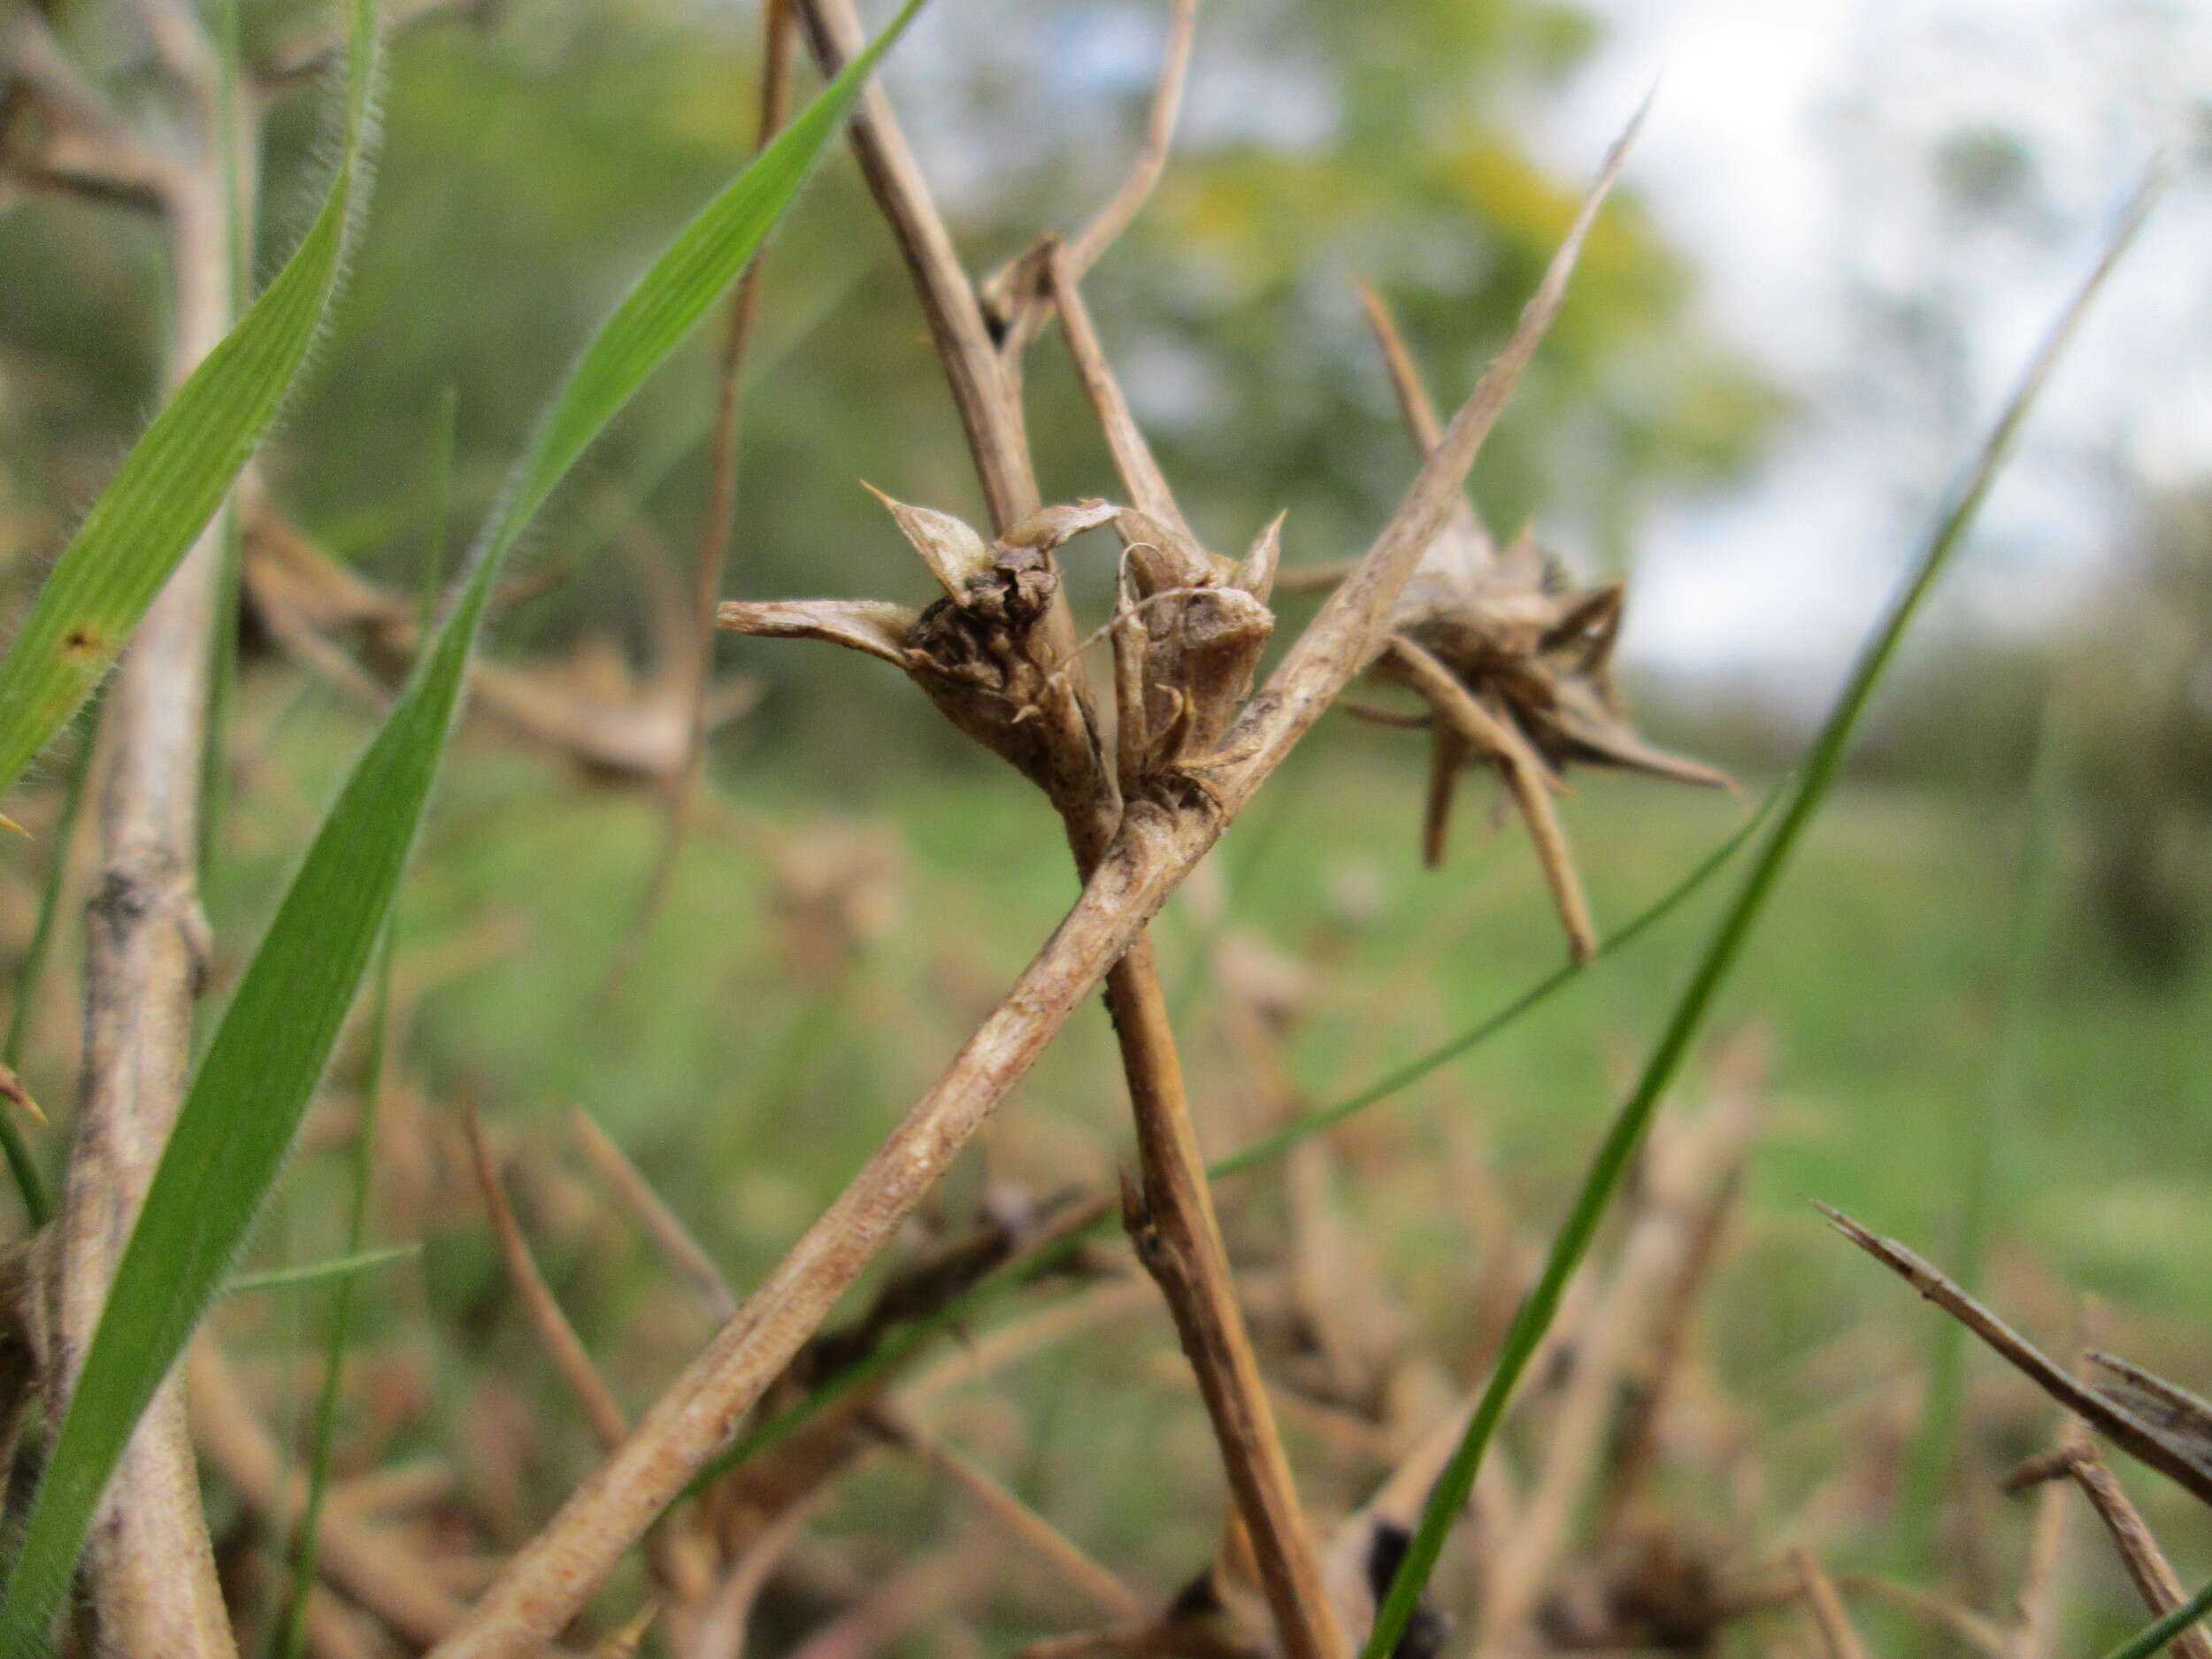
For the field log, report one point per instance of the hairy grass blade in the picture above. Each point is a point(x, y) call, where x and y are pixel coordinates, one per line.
point(269, 1052)
point(177, 474)
point(962, 1308)
point(21, 1164)
point(1449, 1496)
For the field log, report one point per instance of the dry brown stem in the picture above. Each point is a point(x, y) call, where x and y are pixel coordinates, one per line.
point(1826, 1606)
point(1156, 845)
point(1981, 1634)
point(653, 1216)
point(1179, 1239)
point(373, 1571)
point(635, 727)
point(2042, 1578)
point(2122, 1426)
point(1140, 473)
point(1019, 1520)
point(995, 436)
point(719, 1630)
point(548, 1323)
point(2148, 1568)
point(147, 1565)
point(1495, 738)
point(1013, 293)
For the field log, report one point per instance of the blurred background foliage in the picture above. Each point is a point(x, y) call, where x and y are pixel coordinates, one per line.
point(860, 882)
point(530, 165)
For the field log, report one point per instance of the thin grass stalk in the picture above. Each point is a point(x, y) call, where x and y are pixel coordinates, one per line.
point(348, 1266)
point(36, 1205)
point(237, 132)
point(1936, 1447)
point(1610, 1164)
point(437, 512)
point(717, 521)
point(306, 1544)
point(2154, 1636)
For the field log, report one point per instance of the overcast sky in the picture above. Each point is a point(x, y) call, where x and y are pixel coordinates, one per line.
point(1789, 152)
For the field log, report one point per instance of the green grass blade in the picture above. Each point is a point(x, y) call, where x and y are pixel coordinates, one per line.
point(352, 1264)
point(269, 1052)
point(1603, 1180)
point(1936, 1447)
point(962, 1308)
point(291, 1637)
point(21, 1164)
point(222, 676)
point(176, 477)
point(1305, 1124)
point(2154, 1636)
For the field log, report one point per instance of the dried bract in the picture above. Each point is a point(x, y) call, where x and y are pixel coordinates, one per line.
point(1186, 642)
point(1516, 664)
point(978, 652)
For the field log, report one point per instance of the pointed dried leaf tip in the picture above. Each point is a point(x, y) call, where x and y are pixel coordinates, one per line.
point(1256, 575)
point(954, 552)
point(1048, 528)
point(875, 626)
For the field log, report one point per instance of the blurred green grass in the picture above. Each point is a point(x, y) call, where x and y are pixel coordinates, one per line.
point(752, 1085)
point(754, 1052)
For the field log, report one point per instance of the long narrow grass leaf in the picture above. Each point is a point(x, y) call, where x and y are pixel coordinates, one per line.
point(306, 1546)
point(1603, 1179)
point(2154, 1636)
point(960, 1309)
point(21, 1165)
point(269, 1052)
point(1937, 1445)
point(178, 472)
point(352, 1264)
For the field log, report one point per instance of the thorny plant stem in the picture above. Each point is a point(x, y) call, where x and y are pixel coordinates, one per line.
point(993, 424)
point(1177, 1233)
point(1199, 1286)
point(2146, 1565)
point(1158, 843)
point(1092, 1215)
point(147, 1563)
point(1179, 1239)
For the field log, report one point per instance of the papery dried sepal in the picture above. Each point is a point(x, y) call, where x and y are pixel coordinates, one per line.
point(955, 553)
point(875, 626)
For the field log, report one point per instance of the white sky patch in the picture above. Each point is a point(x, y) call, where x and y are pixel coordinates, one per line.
point(1789, 154)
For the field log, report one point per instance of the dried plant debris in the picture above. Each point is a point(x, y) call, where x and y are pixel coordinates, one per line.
point(2138, 1416)
point(1187, 634)
point(982, 652)
point(1515, 661)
